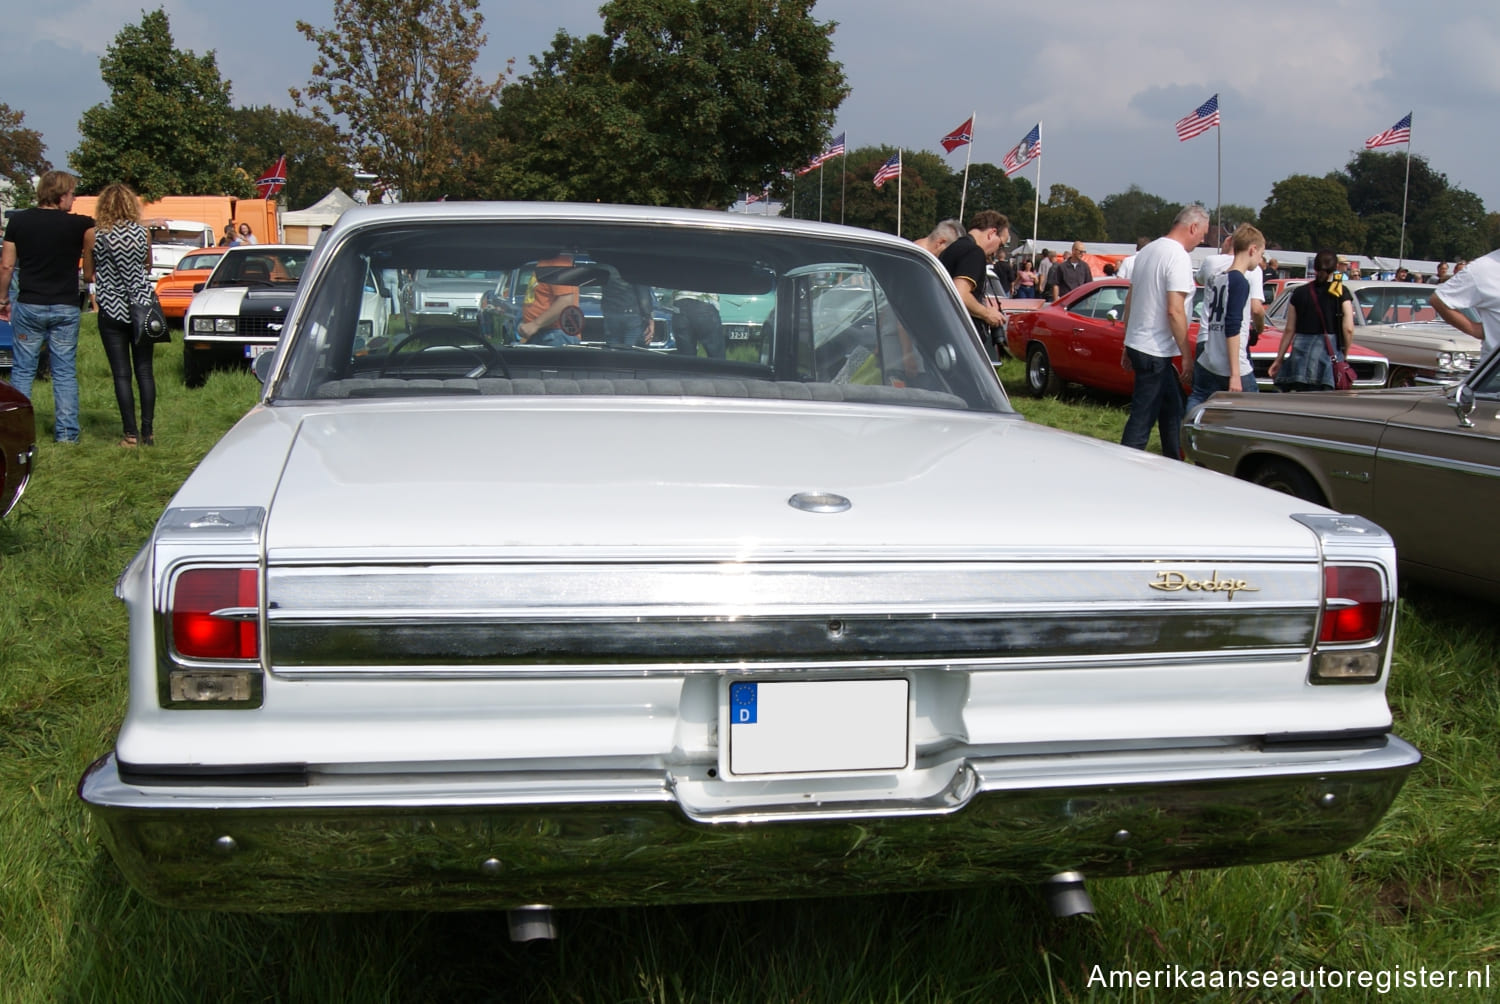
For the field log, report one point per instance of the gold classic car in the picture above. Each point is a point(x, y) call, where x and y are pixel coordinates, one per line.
point(1392, 455)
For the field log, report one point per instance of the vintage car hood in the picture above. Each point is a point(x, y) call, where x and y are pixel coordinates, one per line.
point(1434, 335)
point(547, 481)
point(232, 300)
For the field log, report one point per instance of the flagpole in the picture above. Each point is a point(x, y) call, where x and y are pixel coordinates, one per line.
point(843, 179)
point(1036, 207)
point(820, 191)
point(968, 152)
point(900, 178)
point(1219, 143)
point(1406, 187)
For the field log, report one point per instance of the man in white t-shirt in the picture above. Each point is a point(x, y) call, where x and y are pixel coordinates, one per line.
point(1156, 325)
point(1217, 264)
point(1477, 288)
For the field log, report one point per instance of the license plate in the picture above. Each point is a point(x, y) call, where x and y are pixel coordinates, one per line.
point(254, 351)
point(818, 726)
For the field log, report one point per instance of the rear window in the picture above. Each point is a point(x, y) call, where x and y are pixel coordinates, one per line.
point(573, 308)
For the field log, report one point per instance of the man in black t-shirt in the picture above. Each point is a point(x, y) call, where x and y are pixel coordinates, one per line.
point(965, 259)
point(46, 244)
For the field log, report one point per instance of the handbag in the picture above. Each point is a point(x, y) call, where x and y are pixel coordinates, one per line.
point(148, 323)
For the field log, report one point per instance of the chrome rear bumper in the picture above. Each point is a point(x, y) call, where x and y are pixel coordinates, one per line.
point(345, 842)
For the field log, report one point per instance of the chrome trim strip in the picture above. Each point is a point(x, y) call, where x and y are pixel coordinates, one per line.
point(354, 643)
point(1441, 463)
point(1260, 435)
point(359, 843)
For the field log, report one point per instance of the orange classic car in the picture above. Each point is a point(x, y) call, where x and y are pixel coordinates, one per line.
point(175, 289)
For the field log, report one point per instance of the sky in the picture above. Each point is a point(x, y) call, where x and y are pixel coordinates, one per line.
point(1300, 86)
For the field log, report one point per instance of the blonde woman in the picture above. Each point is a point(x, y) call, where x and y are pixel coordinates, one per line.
point(122, 257)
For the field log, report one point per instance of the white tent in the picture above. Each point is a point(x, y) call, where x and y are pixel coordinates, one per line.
point(302, 226)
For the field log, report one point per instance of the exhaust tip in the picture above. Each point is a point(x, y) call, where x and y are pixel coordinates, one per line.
point(532, 923)
point(1066, 895)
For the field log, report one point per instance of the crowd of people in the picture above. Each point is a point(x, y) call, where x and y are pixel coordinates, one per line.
point(42, 249)
point(1319, 327)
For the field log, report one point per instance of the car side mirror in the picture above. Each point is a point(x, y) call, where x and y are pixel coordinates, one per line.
point(1463, 405)
point(262, 366)
point(198, 287)
point(1113, 315)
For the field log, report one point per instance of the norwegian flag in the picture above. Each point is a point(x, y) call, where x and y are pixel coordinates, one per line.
point(273, 180)
point(890, 169)
point(1024, 152)
point(1398, 133)
point(958, 137)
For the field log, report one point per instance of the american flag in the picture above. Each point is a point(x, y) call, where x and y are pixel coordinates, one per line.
point(1024, 152)
point(835, 149)
point(1398, 133)
point(890, 169)
point(271, 182)
point(958, 137)
point(1204, 118)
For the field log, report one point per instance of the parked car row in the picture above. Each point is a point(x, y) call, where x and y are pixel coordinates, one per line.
point(1080, 337)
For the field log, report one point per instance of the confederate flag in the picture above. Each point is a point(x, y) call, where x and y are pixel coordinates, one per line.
point(273, 180)
point(958, 137)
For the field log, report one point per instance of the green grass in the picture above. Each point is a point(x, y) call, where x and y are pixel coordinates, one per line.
point(1420, 891)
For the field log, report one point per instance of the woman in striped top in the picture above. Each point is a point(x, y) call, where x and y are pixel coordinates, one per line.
point(122, 256)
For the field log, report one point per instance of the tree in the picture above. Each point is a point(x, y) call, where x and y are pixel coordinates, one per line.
point(864, 205)
point(1377, 182)
point(676, 103)
point(989, 188)
point(1133, 213)
point(1383, 236)
point(314, 156)
point(1453, 226)
point(1070, 215)
point(20, 150)
point(164, 127)
point(400, 73)
point(1308, 213)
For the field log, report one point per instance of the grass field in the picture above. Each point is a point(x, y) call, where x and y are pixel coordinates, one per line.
point(1419, 892)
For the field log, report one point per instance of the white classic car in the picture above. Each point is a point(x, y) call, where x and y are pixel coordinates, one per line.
point(241, 310)
point(449, 621)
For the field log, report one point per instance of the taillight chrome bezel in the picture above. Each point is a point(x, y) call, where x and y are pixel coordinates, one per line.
point(1337, 658)
point(213, 680)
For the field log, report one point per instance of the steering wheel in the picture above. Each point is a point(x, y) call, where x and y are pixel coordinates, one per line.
point(440, 335)
point(447, 336)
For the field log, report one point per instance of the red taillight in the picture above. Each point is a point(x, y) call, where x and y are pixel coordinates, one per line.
point(1353, 604)
point(197, 633)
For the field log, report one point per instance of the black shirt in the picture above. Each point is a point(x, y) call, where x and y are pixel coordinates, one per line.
point(49, 244)
point(964, 259)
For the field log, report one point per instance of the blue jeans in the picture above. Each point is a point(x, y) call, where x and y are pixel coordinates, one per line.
point(557, 338)
point(1206, 383)
point(1157, 400)
point(54, 324)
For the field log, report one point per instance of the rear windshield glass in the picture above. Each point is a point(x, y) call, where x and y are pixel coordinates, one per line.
point(555, 308)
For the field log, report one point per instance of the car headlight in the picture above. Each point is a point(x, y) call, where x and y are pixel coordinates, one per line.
point(1460, 361)
point(215, 325)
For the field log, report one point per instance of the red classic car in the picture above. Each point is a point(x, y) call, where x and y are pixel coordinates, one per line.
point(1079, 339)
point(17, 445)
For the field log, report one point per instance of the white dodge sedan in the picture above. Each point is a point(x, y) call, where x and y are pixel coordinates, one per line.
point(450, 619)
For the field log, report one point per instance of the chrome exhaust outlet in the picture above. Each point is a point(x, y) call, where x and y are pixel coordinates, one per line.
point(531, 923)
point(1066, 895)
